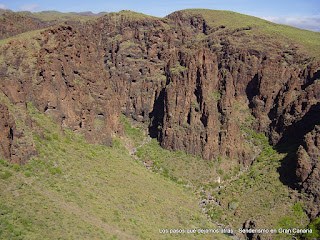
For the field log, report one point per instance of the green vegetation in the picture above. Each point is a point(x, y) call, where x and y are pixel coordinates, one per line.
point(258, 32)
point(5, 174)
point(297, 209)
point(23, 36)
point(259, 28)
point(177, 69)
point(178, 166)
point(57, 17)
point(216, 95)
point(271, 203)
point(286, 223)
point(130, 15)
point(134, 133)
point(315, 226)
point(75, 190)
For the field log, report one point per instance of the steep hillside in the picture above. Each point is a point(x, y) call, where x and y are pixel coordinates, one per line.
point(75, 190)
point(14, 23)
point(200, 79)
point(231, 195)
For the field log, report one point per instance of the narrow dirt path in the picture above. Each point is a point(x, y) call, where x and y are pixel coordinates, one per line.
point(133, 150)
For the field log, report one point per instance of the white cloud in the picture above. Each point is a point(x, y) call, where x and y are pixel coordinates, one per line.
point(310, 23)
point(29, 7)
point(3, 6)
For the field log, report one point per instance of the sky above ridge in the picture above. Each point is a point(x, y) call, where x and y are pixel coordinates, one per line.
point(299, 13)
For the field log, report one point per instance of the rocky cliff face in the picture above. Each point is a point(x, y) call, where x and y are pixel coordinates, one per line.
point(12, 24)
point(307, 171)
point(7, 129)
point(192, 81)
point(14, 143)
point(62, 75)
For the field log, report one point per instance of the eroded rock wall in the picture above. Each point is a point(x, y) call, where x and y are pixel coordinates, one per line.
point(308, 169)
point(194, 84)
point(159, 70)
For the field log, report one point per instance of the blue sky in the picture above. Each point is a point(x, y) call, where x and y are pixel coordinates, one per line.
point(301, 13)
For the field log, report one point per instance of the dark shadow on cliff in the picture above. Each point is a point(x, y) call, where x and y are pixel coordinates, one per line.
point(288, 163)
point(291, 139)
point(252, 89)
point(310, 80)
point(156, 116)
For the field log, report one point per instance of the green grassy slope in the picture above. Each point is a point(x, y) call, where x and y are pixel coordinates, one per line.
point(73, 190)
point(260, 30)
point(26, 37)
point(56, 16)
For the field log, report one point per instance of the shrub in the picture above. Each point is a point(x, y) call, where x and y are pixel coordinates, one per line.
point(286, 223)
point(55, 171)
point(177, 69)
point(48, 137)
point(5, 174)
point(55, 136)
point(4, 163)
point(297, 209)
point(16, 167)
point(219, 171)
point(68, 139)
point(226, 177)
point(315, 226)
point(236, 170)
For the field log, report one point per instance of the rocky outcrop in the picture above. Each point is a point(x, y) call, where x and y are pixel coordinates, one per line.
point(7, 127)
point(308, 169)
point(64, 78)
point(159, 70)
point(14, 145)
point(195, 83)
point(250, 225)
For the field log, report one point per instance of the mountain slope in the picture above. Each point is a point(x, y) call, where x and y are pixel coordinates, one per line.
point(76, 190)
point(257, 29)
point(14, 23)
point(195, 77)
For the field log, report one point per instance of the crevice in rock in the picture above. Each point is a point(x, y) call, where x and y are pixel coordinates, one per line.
point(157, 116)
point(198, 90)
point(290, 141)
point(253, 89)
point(11, 133)
point(310, 80)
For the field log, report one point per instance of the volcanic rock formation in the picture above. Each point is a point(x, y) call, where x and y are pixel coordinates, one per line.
point(190, 79)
